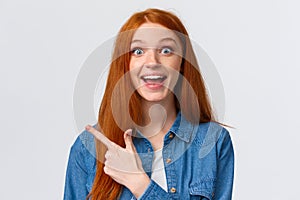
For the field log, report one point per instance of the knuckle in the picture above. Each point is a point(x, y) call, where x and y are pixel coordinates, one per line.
point(105, 169)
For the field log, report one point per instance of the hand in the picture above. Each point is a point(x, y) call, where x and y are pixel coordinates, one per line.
point(123, 164)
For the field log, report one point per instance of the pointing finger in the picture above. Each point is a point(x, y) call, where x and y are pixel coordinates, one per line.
point(128, 140)
point(99, 136)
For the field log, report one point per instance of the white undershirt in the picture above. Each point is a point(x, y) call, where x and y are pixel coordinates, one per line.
point(158, 170)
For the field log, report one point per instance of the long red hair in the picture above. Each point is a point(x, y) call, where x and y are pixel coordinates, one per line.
point(195, 108)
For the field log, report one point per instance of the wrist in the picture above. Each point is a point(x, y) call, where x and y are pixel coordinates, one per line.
point(140, 185)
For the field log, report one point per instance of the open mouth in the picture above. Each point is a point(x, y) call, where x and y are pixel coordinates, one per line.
point(153, 79)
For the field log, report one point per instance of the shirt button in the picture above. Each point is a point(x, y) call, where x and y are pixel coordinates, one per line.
point(149, 150)
point(171, 135)
point(173, 190)
point(168, 160)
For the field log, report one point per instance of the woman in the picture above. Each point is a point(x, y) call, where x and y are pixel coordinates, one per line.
point(156, 136)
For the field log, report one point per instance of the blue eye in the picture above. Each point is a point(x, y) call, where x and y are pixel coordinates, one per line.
point(137, 51)
point(166, 50)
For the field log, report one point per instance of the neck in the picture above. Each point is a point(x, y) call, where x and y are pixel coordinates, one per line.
point(159, 116)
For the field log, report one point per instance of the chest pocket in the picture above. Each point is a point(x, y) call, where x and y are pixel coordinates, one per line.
point(203, 190)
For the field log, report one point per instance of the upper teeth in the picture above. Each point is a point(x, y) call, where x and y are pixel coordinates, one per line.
point(152, 77)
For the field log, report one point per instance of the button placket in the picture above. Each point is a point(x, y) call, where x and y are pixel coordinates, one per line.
point(168, 160)
point(170, 172)
point(171, 135)
point(173, 190)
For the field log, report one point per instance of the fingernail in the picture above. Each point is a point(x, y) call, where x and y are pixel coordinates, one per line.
point(88, 127)
point(129, 132)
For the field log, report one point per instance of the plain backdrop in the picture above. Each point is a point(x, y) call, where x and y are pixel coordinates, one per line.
point(253, 44)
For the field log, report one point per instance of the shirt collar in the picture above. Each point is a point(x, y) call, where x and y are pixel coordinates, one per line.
point(182, 128)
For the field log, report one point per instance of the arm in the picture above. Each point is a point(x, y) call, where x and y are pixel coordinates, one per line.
point(76, 175)
point(225, 171)
point(154, 191)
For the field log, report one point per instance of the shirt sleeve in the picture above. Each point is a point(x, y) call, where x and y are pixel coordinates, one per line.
point(76, 174)
point(154, 191)
point(225, 172)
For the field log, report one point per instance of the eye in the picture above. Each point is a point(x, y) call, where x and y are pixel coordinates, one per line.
point(166, 50)
point(137, 51)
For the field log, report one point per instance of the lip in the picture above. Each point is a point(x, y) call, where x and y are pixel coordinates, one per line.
point(155, 86)
point(153, 74)
point(153, 81)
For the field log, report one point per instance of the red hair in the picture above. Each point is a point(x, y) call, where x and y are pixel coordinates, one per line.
point(192, 98)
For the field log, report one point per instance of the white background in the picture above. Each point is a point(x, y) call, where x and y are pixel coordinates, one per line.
point(254, 45)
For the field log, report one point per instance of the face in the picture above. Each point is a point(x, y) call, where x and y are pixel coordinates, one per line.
point(155, 61)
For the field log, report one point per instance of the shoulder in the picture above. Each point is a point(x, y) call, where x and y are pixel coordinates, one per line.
point(211, 131)
point(211, 135)
point(83, 150)
point(84, 141)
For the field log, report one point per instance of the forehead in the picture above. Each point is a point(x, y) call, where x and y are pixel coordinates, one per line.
point(153, 33)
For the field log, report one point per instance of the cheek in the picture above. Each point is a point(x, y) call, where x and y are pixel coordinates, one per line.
point(176, 63)
point(134, 67)
point(134, 63)
point(131, 64)
point(134, 73)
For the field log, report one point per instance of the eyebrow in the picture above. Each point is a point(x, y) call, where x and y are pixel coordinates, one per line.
point(162, 40)
point(136, 41)
point(168, 39)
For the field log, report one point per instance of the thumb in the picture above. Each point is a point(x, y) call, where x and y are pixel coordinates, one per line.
point(131, 148)
point(128, 140)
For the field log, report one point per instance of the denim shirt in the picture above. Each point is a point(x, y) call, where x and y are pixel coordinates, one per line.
point(198, 160)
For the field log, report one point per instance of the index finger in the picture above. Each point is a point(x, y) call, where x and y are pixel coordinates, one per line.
point(99, 136)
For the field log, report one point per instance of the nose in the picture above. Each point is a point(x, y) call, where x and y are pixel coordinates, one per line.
point(151, 58)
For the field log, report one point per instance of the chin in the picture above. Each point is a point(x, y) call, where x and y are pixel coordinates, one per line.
point(154, 97)
point(154, 100)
